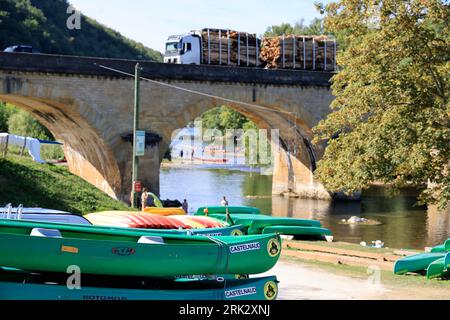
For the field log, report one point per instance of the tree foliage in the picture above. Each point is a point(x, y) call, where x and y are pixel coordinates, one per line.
point(316, 27)
point(390, 119)
point(223, 118)
point(5, 112)
point(23, 124)
point(42, 24)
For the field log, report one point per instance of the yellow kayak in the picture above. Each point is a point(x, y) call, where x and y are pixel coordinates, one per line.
point(165, 211)
point(196, 222)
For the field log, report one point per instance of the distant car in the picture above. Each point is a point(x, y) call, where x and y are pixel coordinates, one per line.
point(21, 48)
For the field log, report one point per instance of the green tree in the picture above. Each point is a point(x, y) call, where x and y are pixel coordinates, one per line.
point(42, 24)
point(6, 111)
point(4, 116)
point(223, 118)
point(390, 119)
point(23, 124)
point(211, 119)
point(316, 27)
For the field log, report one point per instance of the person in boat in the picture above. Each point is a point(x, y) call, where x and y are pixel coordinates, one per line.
point(185, 206)
point(224, 202)
point(144, 199)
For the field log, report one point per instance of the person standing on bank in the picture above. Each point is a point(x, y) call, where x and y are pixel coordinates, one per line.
point(224, 202)
point(144, 199)
point(185, 206)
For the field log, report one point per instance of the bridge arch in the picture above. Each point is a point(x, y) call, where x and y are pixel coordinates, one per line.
point(295, 157)
point(90, 109)
point(87, 155)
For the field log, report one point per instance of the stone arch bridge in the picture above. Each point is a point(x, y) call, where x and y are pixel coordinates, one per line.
point(90, 109)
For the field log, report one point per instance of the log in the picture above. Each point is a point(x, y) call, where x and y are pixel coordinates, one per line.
point(298, 52)
point(230, 47)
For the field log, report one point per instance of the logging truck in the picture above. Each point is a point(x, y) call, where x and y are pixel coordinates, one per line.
point(242, 49)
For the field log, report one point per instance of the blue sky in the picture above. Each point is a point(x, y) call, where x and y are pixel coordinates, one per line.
point(150, 22)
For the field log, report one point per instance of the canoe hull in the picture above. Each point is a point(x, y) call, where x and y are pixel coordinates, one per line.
point(415, 263)
point(439, 268)
point(298, 231)
point(120, 253)
point(246, 289)
point(439, 248)
point(262, 224)
point(165, 211)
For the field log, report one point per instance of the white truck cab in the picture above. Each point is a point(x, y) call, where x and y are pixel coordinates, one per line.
point(183, 49)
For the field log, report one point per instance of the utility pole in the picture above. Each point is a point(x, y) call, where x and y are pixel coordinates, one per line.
point(137, 79)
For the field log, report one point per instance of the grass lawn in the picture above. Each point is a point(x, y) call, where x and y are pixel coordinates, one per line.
point(23, 181)
point(354, 247)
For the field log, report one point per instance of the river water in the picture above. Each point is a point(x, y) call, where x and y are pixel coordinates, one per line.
point(401, 224)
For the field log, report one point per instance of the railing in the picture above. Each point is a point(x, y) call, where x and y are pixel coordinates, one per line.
point(9, 212)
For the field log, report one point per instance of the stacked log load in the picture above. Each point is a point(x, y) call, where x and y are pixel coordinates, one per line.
point(229, 47)
point(298, 52)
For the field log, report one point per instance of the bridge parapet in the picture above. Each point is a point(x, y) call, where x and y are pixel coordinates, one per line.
point(25, 62)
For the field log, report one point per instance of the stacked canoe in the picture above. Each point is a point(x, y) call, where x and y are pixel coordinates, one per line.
point(193, 225)
point(165, 211)
point(253, 222)
point(130, 257)
point(20, 285)
point(435, 264)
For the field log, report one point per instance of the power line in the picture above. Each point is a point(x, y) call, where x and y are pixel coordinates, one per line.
point(197, 92)
point(293, 114)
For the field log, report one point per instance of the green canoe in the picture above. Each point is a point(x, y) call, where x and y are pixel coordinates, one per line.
point(260, 224)
point(297, 230)
point(51, 247)
point(439, 248)
point(25, 286)
point(223, 231)
point(445, 247)
point(235, 230)
point(233, 209)
point(439, 268)
point(418, 262)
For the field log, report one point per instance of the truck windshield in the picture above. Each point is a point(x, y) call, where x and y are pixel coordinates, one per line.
point(171, 46)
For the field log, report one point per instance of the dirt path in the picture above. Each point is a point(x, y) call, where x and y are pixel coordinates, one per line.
point(300, 281)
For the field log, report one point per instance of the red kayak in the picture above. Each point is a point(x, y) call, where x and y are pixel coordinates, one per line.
point(134, 220)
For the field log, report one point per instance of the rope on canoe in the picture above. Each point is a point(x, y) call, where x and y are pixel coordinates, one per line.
point(222, 246)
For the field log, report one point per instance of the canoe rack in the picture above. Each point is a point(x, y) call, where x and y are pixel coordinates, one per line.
point(7, 212)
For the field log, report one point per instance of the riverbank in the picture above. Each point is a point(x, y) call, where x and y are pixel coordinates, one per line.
point(305, 274)
point(50, 186)
point(207, 165)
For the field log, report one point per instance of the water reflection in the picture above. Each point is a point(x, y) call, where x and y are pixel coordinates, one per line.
point(403, 225)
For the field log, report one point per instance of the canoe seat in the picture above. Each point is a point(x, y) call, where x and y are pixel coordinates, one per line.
point(151, 240)
point(47, 233)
